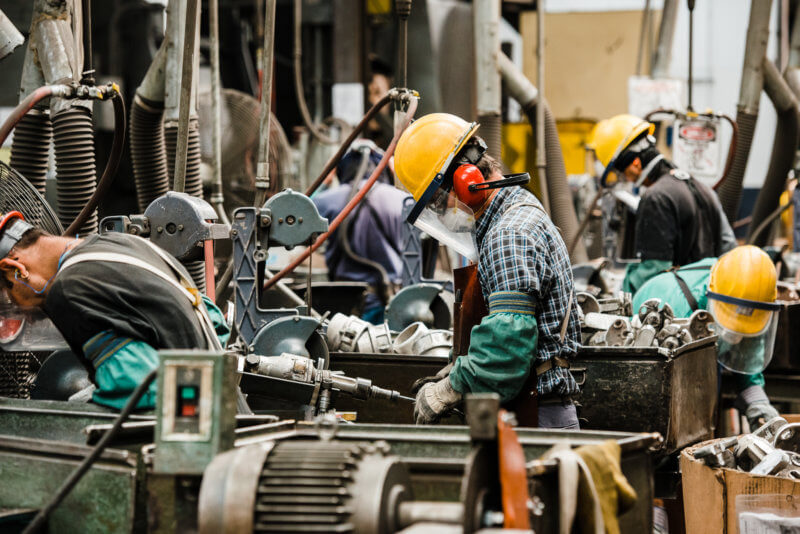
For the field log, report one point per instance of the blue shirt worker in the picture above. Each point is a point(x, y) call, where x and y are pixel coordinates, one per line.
point(746, 277)
point(522, 348)
point(367, 246)
point(116, 298)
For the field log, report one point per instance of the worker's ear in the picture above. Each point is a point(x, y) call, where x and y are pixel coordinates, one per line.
point(8, 265)
point(637, 164)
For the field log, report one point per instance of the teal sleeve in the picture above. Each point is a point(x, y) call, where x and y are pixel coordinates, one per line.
point(745, 381)
point(218, 320)
point(501, 351)
point(636, 274)
point(121, 371)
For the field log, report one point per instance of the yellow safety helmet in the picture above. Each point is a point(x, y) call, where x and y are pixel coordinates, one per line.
point(742, 290)
point(611, 137)
point(427, 148)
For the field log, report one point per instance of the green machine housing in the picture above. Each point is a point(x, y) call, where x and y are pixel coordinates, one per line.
point(196, 410)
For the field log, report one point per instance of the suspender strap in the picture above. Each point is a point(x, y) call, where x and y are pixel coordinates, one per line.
point(686, 292)
point(552, 363)
point(185, 286)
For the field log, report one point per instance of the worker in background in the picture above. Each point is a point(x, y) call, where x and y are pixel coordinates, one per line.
point(679, 220)
point(368, 245)
point(522, 348)
point(739, 289)
point(116, 298)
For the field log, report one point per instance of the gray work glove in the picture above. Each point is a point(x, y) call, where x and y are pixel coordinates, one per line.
point(433, 400)
point(755, 405)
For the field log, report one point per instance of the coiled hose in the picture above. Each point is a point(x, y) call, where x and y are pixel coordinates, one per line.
point(194, 184)
point(492, 133)
point(148, 152)
point(30, 148)
point(730, 192)
point(76, 175)
point(412, 108)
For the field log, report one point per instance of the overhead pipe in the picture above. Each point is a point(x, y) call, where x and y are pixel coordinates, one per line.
point(10, 37)
point(730, 192)
point(486, 28)
point(563, 212)
point(187, 86)
point(541, 156)
point(783, 150)
point(217, 196)
point(666, 33)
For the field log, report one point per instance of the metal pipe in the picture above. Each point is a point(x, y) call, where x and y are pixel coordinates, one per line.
point(412, 512)
point(643, 34)
point(412, 108)
point(217, 196)
point(541, 158)
point(262, 170)
point(659, 68)
point(87, 76)
point(730, 192)
point(691, 49)
point(794, 42)
point(486, 28)
point(403, 9)
point(27, 104)
point(187, 83)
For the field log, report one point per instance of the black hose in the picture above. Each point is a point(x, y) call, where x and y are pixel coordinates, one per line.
point(76, 175)
point(44, 513)
point(780, 163)
point(104, 185)
point(147, 151)
point(730, 192)
point(766, 222)
point(30, 148)
point(87, 77)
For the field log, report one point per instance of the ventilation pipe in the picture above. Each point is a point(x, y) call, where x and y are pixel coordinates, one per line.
point(730, 192)
point(486, 27)
point(666, 33)
point(10, 38)
point(563, 212)
point(783, 149)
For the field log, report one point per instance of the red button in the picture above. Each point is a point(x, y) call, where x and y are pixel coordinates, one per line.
point(188, 410)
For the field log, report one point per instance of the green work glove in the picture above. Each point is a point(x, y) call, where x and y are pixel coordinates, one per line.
point(755, 405)
point(433, 400)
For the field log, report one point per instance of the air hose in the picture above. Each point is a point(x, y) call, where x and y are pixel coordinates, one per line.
point(347, 142)
point(147, 151)
point(412, 108)
point(73, 135)
point(27, 104)
point(104, 185)
point(30, 148)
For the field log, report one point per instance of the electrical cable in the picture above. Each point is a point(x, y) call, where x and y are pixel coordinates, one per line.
point(298, 78)
point(347, 142)
point(412, 108)
point(110, 171)
point(27, 104)
point(44, 513)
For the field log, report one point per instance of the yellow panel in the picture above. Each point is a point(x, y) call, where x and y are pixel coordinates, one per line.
point(379, 7)
point(519, 152)
point(574, 136)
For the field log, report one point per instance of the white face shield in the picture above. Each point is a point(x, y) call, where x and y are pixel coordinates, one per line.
point(451, 222)
point(746, 331)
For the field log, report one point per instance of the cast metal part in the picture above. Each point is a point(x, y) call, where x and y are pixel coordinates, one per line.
point(700, 324)
point(295, 335)
point(418, 303)
point(294, 219)
point(751, 450)
point(788, 438)
point(304, 486)
point(769, 430)
point(434, 343)
point(179, 222)
point(404, 342)
point(719, 454)
point(619, 334)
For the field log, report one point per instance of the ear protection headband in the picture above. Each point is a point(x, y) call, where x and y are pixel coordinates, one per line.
point(13, 227)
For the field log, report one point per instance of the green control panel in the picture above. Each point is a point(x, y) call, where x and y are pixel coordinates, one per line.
point(196, 410)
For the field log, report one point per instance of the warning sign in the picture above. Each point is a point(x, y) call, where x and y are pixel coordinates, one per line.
point(696, 149)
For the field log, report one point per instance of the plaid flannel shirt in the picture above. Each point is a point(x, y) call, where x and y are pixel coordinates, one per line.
point(520, 249)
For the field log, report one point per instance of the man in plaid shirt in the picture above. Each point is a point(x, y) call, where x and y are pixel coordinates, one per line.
point(532, 329)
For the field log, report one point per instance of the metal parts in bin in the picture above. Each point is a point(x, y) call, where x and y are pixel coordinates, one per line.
point(773, 449)
point(651, 389)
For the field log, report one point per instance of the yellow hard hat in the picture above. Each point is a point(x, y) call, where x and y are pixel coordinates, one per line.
point(742, 290)
point(426, 149)
point(612, 136)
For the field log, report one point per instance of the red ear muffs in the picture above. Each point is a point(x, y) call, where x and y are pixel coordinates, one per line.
point(465, 176)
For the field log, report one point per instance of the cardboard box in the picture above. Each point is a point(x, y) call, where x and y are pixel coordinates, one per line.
point(709, 495)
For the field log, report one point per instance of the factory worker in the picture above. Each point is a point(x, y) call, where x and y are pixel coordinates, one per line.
point(116, 298)
point(522, 348)
point(679, 220)
point(368, 246)
point(739, 289)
